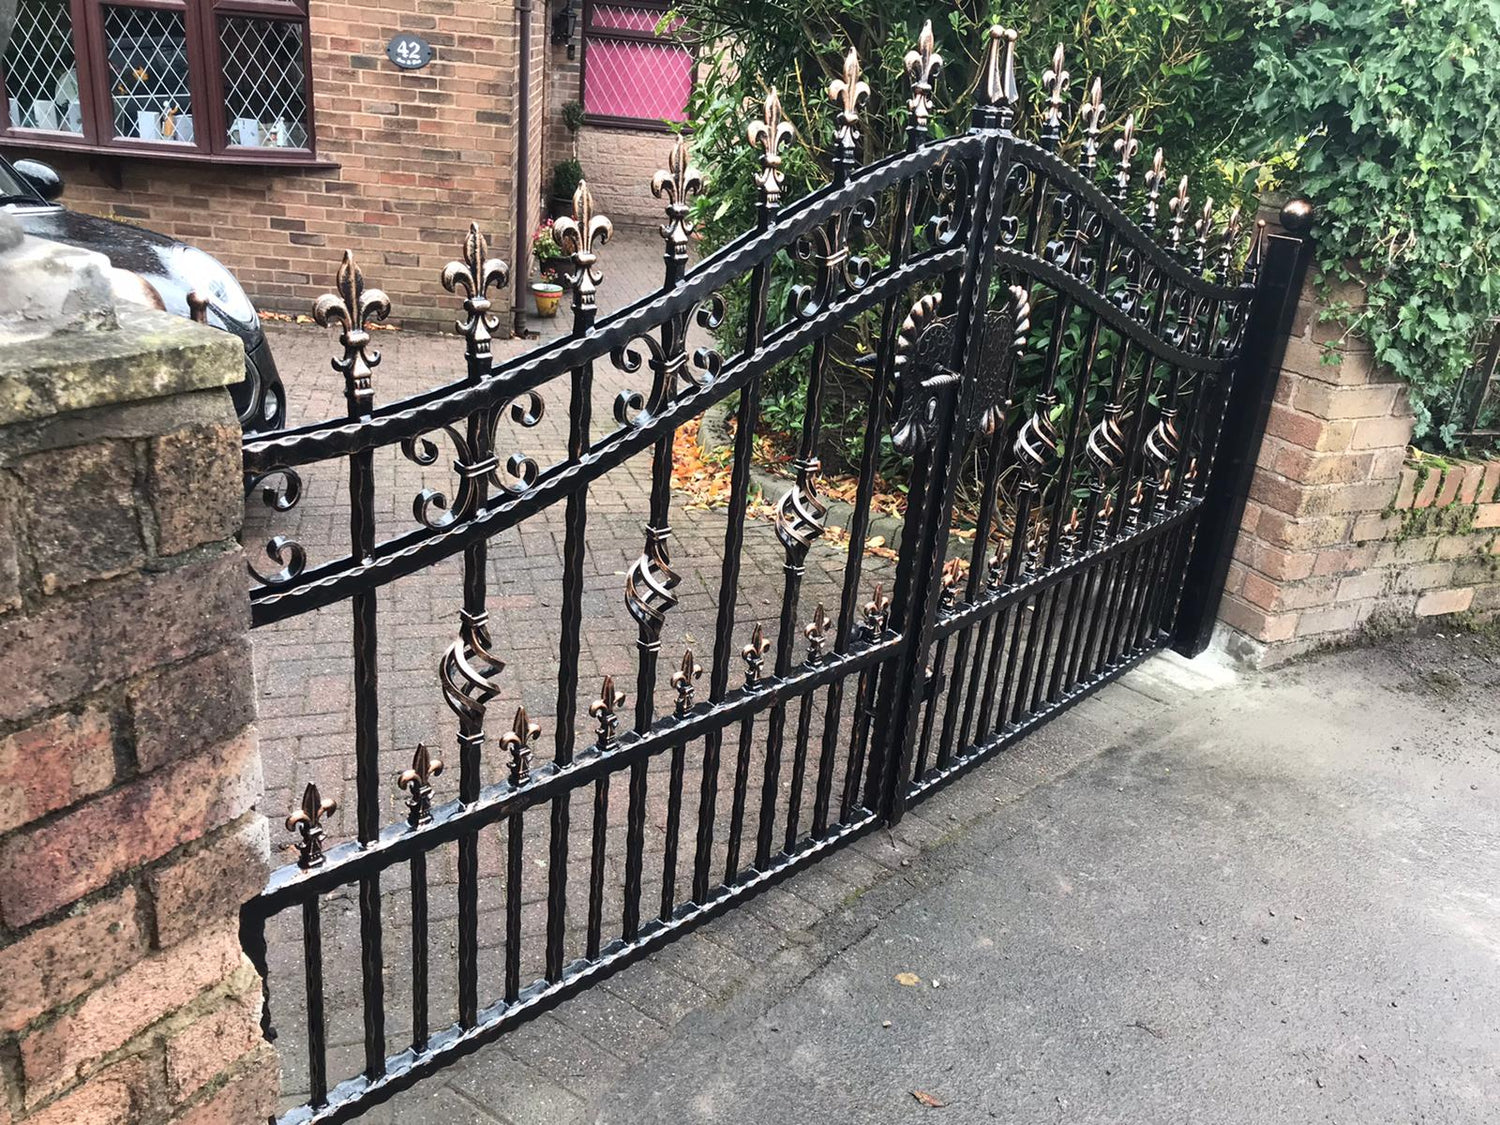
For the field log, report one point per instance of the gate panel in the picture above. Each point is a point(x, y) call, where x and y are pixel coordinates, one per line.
point(1038, 360)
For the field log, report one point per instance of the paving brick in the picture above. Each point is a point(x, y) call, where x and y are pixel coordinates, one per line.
point(1435, 602)
point(45, 868)
point(51, 765)
point(53, 965)
point(1487, 515)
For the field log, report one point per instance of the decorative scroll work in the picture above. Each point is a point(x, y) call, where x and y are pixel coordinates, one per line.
point(474, 461)
point(650, 583)
point(469, 668)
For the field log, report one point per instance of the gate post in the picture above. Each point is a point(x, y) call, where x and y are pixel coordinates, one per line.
point(1251, 393)
point(129, 766)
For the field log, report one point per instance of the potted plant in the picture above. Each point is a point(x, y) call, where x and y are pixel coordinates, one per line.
point(551, 262)
point(546, 295)
point(566, 176)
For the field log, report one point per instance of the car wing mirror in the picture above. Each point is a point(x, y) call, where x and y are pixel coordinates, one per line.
point(41, 178)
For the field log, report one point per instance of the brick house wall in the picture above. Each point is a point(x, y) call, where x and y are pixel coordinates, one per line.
point(419, 155)
point(1341, 532)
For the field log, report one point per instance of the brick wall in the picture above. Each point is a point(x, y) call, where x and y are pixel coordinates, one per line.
point(420, 154)
point(1340, 530)
point(129, 768)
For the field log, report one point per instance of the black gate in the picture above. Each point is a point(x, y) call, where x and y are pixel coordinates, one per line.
point(1045, 364)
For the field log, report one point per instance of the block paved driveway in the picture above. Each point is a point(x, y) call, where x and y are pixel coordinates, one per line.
point(303, 665)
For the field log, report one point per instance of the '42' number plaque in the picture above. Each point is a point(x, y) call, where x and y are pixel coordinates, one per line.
point(409, 52)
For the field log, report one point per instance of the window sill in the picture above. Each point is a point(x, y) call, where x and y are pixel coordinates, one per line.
point(635, 124)
point(149, 151)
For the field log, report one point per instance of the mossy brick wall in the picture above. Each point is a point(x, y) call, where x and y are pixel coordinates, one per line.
point(129, 767)
point(1339, 531)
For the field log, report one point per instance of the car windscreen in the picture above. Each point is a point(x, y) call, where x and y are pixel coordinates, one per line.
point(12, 189)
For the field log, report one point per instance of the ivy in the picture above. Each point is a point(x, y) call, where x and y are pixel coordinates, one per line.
point(1384, 114)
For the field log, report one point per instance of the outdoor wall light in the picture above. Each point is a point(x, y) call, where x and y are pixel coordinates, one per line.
point(564, 24)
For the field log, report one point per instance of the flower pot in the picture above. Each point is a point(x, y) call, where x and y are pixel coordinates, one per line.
point(553, 271)
point(546, 297)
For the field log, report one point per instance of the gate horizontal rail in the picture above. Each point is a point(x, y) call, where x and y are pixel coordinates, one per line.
point(1074, 362)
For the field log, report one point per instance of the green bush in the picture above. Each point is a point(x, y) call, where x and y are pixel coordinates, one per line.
point(1387, 111)
point(566, 176)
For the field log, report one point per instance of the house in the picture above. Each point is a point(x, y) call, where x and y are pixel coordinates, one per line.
point(276, 133)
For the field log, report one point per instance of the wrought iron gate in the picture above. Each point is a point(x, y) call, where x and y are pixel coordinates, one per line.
point(1029, 336)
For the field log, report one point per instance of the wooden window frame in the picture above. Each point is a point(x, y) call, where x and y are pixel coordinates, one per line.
point(630, 35)
point(210, 142)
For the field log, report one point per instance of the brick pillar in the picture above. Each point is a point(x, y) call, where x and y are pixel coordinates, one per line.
point(1324, 546)
point(129, 768)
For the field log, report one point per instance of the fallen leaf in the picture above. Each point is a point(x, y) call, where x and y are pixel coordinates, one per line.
point(908, 980)
point(931, 1101)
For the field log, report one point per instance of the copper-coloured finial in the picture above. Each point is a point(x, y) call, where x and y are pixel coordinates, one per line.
point(754, 655)
point(923, 65)
point(1055, 78)
point(416, 782)
point(849, 92)
point(605, 711)
point(1155, 176)
point(683, 680)
point(1092, 114)
point(677, 183)
point(1126, 146)
point(769, 133)
point(998, 95)
point(517, 742)
point(578, 234)
point(817, 633)
point(354, 309)
point(952, 576)
point(1179, 208)
point(307, 822)
point(475, 275)
point(877, 612)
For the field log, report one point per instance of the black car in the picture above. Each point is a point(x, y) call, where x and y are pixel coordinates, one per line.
point(156, 270)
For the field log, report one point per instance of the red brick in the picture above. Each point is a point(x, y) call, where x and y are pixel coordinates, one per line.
point(182, 709)
point(110, 1097)
point(1427, 492)
point(56, 964)
point(1308, 467)
point(248, 1096)
point(1257, 623)
point(1487, 515)
point(1259, 592)
point(1307, 431)
point(1324, 401)
point(53, 764)
point(195, 488)
point(211, 880)
point(1436, 602)
point(211, 1045)
point(1370, 584)
point(1489, 482)
point(1284, 566)
point(1344, 560)
point(1453, 480)
point(72, 648)
point(1333, 619)
point(1382, 433)
point(82, 518)
point(53, 1056)
point(1468, 491)
point(1406, 491)
point(47, 867)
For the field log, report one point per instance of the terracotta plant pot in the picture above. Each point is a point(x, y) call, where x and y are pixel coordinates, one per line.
point(546, 295)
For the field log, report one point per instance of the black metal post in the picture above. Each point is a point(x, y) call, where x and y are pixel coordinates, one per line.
point(1250, 396)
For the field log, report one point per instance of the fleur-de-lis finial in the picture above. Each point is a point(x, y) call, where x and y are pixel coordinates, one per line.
point(817, 633)
point(605, 711)
point(354, 308)
point(754, 655)
point(923, 65)
point(848, 92)
point(877, 612)
point(1252, 259)
point(1093, 118)
point(1070, 534)
point(676, 183)
point(307, 822)
point(683, 681)
point(1228, 241)
point(415, 781)
point(517, 742)
point(768, 133)
point(578, 234)
point(998, 95)
point(1126, 146)
point(1055, 78)
point(1155, 177)
point(952, 575)
point(1179, 208)
point(1201, 229)
point(474, 276)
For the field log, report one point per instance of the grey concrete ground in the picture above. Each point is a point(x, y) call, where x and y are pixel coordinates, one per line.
point(1273, 898)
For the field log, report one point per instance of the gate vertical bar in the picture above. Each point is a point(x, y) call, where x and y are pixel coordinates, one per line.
point(1284, 265)
point(900, 705)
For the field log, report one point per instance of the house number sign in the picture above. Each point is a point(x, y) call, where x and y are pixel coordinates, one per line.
point(409, 52)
